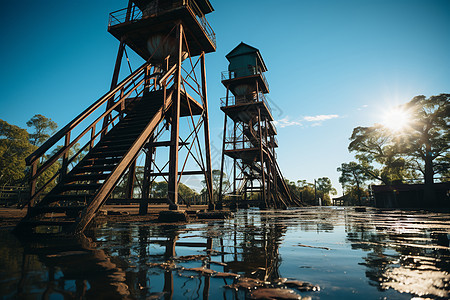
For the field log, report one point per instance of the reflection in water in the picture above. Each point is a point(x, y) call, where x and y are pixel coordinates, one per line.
point(420, 262)
point(398, 254)
point(67, 268)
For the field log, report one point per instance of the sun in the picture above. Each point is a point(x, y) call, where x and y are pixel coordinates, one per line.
point(396, 119)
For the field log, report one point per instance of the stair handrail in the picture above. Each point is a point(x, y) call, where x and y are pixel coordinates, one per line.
point(82, 116)
point(33, 159)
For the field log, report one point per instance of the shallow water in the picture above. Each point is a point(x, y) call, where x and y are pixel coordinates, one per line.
point(351, 255)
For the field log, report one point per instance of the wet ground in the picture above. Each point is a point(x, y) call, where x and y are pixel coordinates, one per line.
point(307, 253)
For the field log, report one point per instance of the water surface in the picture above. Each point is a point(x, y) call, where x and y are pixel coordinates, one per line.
point(351, 255)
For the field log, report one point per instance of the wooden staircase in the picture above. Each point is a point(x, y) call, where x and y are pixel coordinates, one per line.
point(75, 200)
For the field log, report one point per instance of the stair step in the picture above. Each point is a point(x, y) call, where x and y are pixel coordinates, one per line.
point(35, 223)
point(93, 168)
point(72, 197)
point(101, 161)
point(56, 209)
point(126, 130)
point(125, 139)
point(125, 135)
point(116, 146)
point(136, 119)
point(86, 177)
point(79, 187)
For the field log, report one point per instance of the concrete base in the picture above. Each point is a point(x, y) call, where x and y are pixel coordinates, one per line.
point(167, 216)
point(173, 207)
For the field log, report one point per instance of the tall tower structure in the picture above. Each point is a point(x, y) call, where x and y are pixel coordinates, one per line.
point(249, 139)
point(142, 115)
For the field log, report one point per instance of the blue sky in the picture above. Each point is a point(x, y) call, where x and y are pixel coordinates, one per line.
point(332, 65)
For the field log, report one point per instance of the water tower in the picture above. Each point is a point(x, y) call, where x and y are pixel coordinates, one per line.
point(139, 116)
point(250, 142)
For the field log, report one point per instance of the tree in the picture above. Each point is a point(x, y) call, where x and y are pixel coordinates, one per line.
point(421, 146)
point(374, 145)
point(14, 148)
point(159, 190)
point(216, 183)
point(324, 188)
point(304, 191)
point(43, 127)
point(353, 174)
point(428, 141)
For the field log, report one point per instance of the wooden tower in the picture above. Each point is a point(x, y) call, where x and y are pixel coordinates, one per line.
point(250, 140)
point(143, 113)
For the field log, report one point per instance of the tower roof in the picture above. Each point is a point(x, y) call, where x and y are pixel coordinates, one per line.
point(243, 49)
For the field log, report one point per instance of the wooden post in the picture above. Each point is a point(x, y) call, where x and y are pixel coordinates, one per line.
point(175, 130)
point(65, 157)
point(130, 182)
point(206, 129)
point(32, 183)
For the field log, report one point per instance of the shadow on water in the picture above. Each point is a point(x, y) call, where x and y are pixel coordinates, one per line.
point(349, 254)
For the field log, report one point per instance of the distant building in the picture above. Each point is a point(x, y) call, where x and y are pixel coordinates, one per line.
point(410, 196)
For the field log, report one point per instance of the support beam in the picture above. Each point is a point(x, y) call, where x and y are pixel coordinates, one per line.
point(155, 174)
point(219, 203)
point(175, 129)
point(143, 206)
point(263, 175)
point(208, 175)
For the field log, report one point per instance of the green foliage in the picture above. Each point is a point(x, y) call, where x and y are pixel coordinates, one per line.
point(216, 184)
point(323, 190)
point(46, 176)
point(356, 195)
point(375, 145)
point(43, 127)
point(421, 147)
point(159, 190)
point(14, 148)
point(429, 139)
point(305, 191)
point(16, 144)
point(353, 177)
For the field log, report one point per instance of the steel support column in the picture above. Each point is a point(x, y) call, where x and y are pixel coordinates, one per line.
point(175, 129)
point(220, 202)
point(263, 175)
point(208, 170)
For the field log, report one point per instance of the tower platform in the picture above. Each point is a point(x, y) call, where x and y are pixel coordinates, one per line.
point(139, 27)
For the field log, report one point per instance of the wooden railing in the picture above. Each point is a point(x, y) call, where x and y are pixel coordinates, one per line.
point(12, 195)
point(109, 109)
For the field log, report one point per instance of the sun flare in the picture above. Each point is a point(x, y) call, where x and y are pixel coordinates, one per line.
point(396, 119)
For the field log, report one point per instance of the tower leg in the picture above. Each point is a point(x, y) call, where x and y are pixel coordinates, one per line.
point(130, 182)
point(220, 202)
point(143, 206)
point(263, 203)
point(175, 131)
point(206, 129)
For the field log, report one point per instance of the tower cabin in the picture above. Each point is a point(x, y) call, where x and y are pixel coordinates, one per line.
point(246, 81)
point(146, 26)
